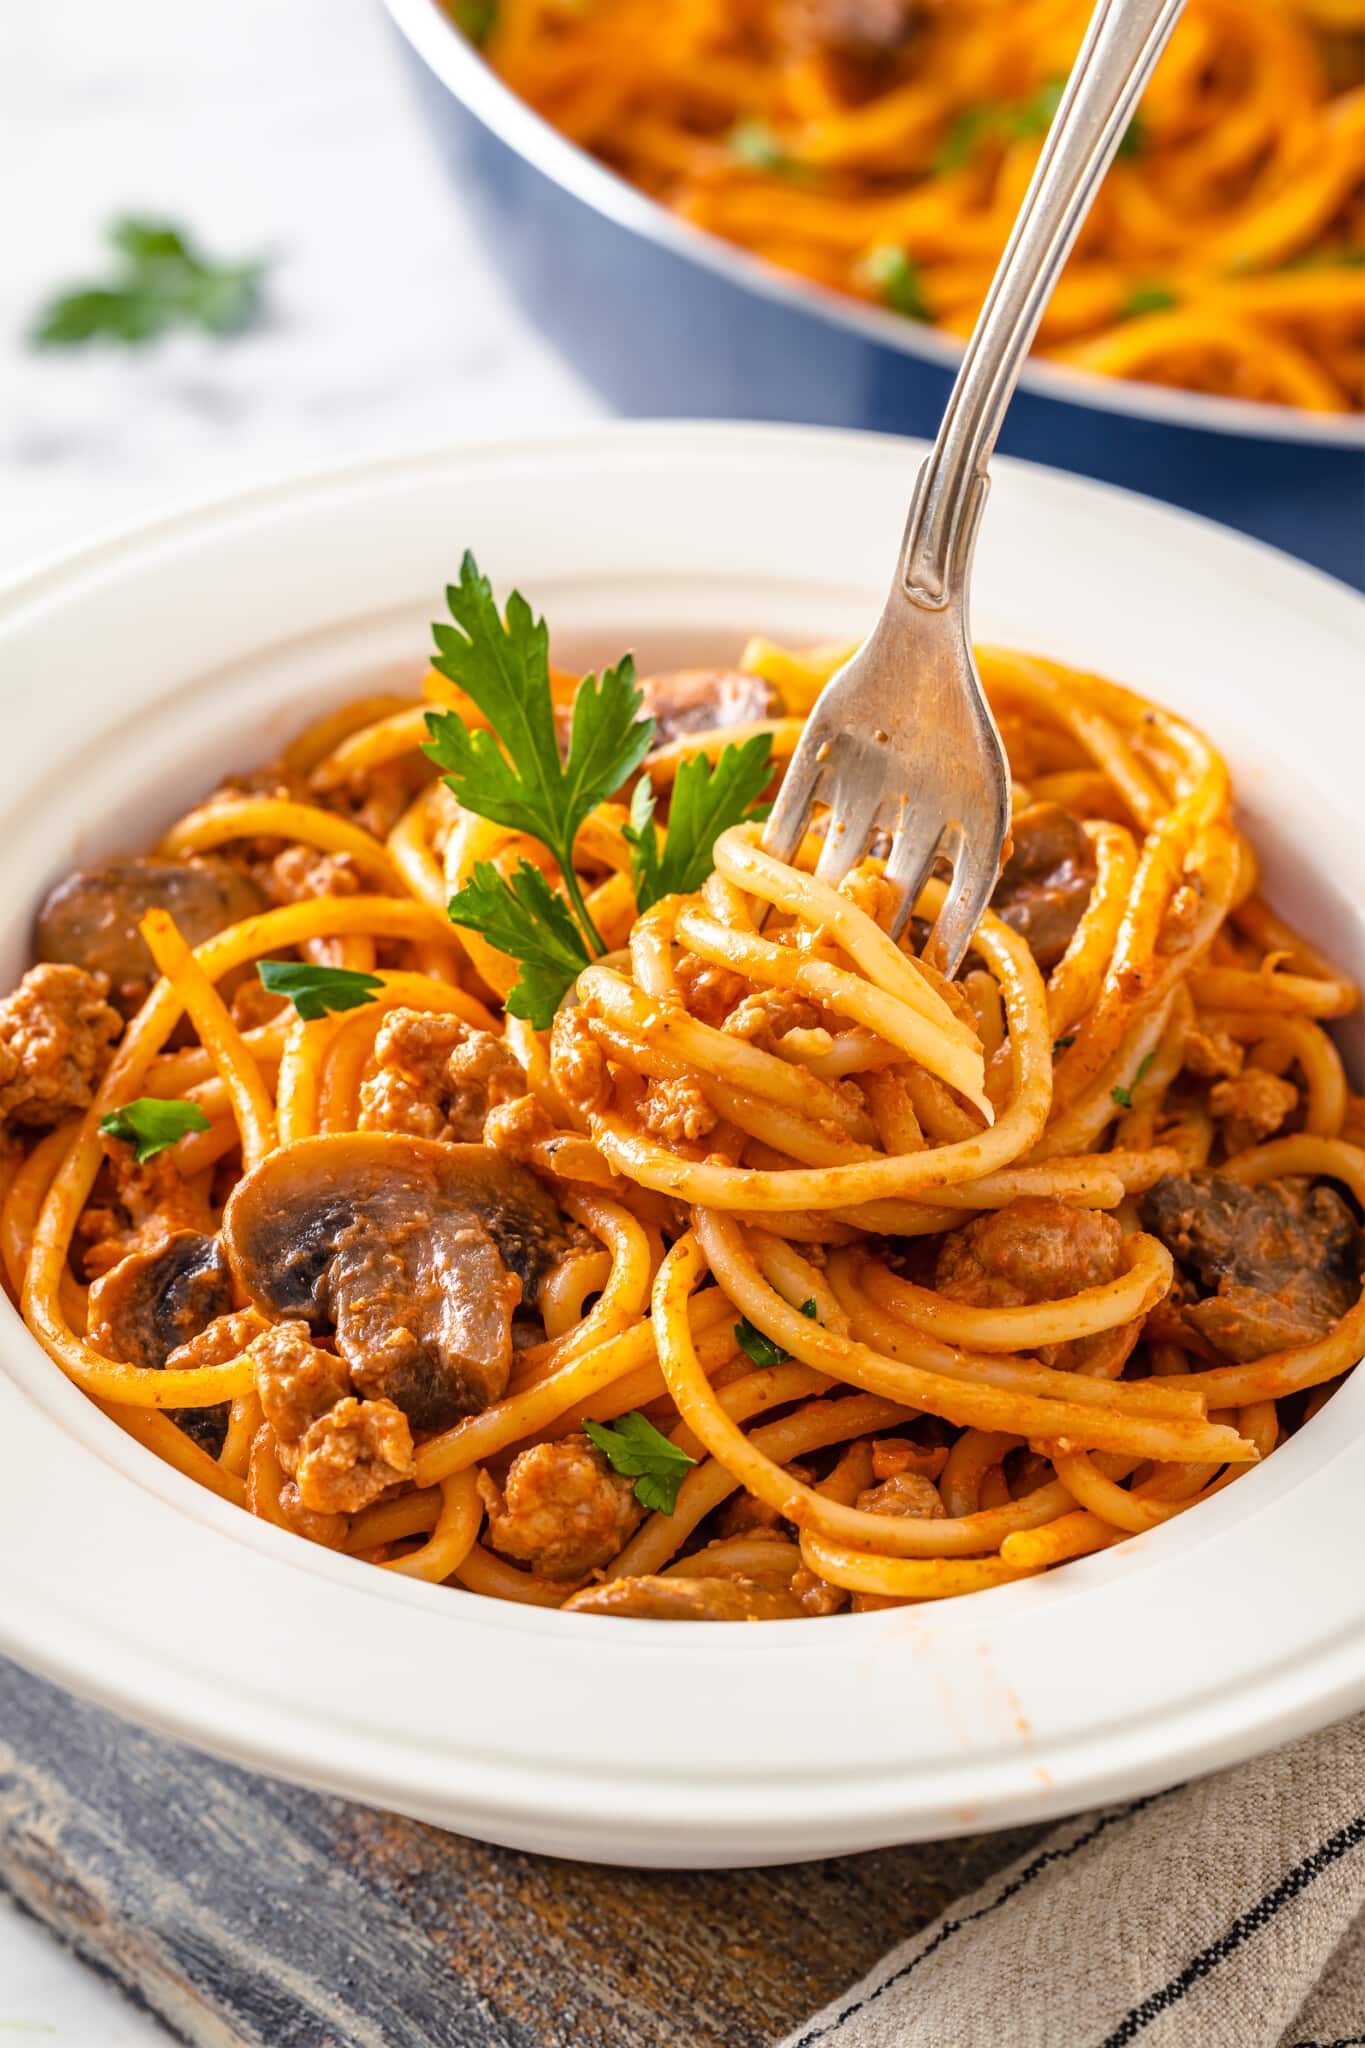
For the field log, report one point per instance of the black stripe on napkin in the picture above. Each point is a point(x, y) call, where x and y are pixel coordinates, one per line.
point(951, 1927)
point(1258, 1916)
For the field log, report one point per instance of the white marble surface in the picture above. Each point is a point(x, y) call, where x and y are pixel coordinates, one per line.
point(281, 126)
point(266, 125)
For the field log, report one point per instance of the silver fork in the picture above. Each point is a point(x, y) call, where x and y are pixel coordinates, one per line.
point(901, 739)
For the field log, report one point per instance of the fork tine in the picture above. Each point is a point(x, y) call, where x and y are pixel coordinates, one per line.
point(969, 892)
point(853, 814)
point(790, 815)
point(909, 863)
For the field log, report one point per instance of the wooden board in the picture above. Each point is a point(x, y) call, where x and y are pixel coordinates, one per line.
point(244, 1911)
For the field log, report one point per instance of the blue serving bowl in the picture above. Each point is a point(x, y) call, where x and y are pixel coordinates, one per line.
point(664, 319)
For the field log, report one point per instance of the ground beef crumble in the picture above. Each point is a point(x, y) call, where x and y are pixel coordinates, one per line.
point(302, 872)
point(1212, 1055)
point(351, 1455)
point(340, 1452)
point(905, 1493)
point(436, 1077)
point(1033, 1250)
point(561, 1510)
point(677, 1112)
point(296, 1380)
point(146, 1205)
point(57, 1032)
point(1251, 1106)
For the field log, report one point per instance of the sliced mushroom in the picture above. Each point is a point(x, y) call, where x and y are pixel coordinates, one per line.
point(415, 1252)
point(865, 30)
point(1278, 1264)
point(152, 1302)
point(651, 1598)
point(91, 919)
point(704, 699)
point(1045, 884)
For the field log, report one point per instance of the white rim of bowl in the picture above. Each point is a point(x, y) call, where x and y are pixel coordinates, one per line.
point(660, 1808)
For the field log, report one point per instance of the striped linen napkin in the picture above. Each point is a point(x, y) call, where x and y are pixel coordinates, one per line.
point(1229, 1913)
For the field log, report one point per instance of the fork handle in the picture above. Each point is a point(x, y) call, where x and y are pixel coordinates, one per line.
point(1121, 48)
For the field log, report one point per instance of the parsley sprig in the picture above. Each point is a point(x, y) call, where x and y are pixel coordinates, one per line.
point(160, 281)
point(895, 278)
point(503, 666)
point(150, 1124)
point(525, 918)
point(1124, 1096)
point(517, 776)
point(706, 802)
point(635, 1447)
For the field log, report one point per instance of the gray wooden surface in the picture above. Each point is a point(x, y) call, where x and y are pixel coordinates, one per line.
point(244, 1911)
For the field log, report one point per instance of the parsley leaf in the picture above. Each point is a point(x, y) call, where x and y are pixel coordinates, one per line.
point(762, 1349)
point(706, 802)
point(503, 665)
point(634, 1446)
point(149, 1125)
point(1134, 139)
point(1016, 121)
point(1124, 1096)
point(1147, 298)
point(528, 920)
point(896, 280)
point(753, 144)
point(1337, 256)
point(1033, 116)
point(998, 121)
point(314, 991)
point(475, 19)
point(642, 837)
point(965, 132)
point(162, 281)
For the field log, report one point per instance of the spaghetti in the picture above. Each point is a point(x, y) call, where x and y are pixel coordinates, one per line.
point(882, 147)
point(773, 1276)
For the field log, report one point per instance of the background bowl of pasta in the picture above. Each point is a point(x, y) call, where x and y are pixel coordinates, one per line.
point(219, 634)
point(790, 211)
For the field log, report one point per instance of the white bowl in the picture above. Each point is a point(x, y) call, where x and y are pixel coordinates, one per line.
point(135, 673)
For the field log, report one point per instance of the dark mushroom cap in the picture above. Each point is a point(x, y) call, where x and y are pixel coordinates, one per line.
point(1045, 884)
point(1277, 1264)
point(91, 919)
point(704, 699)
point(150, 1303)
point(153, 1301)
point(416, 1253)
